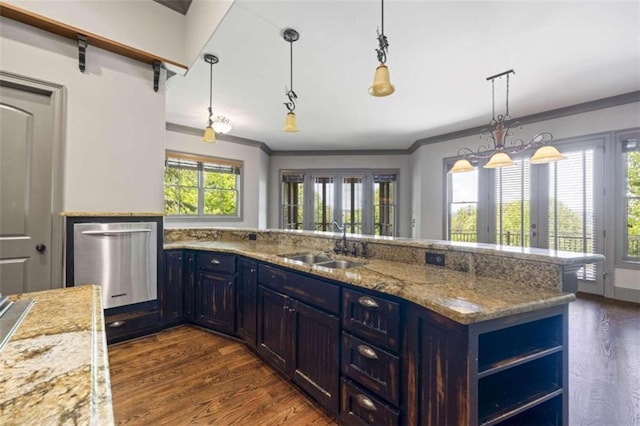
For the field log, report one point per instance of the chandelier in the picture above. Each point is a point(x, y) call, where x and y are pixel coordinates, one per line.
point(499, 134)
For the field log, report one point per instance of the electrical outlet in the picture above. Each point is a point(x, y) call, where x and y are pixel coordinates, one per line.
point(436, 259)
point(253, 237)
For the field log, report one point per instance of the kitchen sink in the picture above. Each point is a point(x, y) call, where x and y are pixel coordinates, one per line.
point(320, 259)
point(339, 264)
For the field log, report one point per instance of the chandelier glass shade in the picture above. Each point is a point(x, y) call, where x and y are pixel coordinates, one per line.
point(502, 145)
point(209, 135)
point(381, 81)
point(290, 125)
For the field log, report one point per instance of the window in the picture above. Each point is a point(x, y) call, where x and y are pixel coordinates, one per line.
point(384, 204)
point(196, 186)
point(292, 200)
point(363, 200)
point(631, 199)
point(463, 206)
point(512, 204)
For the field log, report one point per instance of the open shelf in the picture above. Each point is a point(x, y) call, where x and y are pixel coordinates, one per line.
point(513, 391)
point(509, 347)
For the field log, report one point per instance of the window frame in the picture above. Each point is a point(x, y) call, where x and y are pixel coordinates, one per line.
point(201, 160)
point(622, 259)
point(338, 175)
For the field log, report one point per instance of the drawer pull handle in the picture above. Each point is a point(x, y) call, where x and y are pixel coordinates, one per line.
point(215, 261)
point(365, 402)
point(367, 352)
point(368, 302)
point(117, 324)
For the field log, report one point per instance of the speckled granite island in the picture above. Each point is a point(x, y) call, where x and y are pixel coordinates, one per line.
point(54, 369)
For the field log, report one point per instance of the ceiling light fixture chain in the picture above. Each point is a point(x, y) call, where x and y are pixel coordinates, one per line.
point(499, 133)
point(383, 43)
point(291, 35)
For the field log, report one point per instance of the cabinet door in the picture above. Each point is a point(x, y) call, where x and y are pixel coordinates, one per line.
point(273, 342)
point(314, 363)
point(247, 307)
point(173, 306)
point(215, 301)
point(189, 284)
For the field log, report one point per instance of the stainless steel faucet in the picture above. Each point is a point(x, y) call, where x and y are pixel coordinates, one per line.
point(342, 228)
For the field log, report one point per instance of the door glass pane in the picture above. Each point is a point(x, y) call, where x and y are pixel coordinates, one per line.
point(352, 202)
point(631, 163)
point(384, 204)
point(323, 189)
point(512, 204)
point(292, 200)
point(463, 206)
point(572, 221)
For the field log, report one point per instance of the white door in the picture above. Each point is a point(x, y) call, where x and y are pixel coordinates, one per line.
point(26, 140)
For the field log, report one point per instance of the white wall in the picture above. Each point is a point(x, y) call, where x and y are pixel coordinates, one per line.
point(145, 25)
point(400, 162)
point(254, 176)
point(114, 121)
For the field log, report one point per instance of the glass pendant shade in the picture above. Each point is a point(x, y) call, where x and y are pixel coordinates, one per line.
point(546, 154)
point(209, 135)
point(461, 166)
point(290, 124)
point(499, 159)
point(381, 82)
point(221, 124)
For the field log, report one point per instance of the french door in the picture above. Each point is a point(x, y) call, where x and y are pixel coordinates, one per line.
point(558, 206)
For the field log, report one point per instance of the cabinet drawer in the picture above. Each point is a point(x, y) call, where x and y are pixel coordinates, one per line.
point(131, 324)
point(315, 292)
point(359, 407)
point(375, 319)
point(372, 367)
point(215, 262)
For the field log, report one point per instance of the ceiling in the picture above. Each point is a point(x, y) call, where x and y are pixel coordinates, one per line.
point(440, 53)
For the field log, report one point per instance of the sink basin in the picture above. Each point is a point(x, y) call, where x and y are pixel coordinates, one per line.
point(339, 264)
point(309, 258)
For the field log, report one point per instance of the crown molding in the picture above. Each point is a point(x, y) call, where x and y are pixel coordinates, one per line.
point(341, 152)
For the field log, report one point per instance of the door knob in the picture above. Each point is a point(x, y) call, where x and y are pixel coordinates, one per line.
point(41, 247)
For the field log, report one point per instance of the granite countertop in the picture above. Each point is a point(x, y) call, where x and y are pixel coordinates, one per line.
point(462, 297)
point(111, 214)
point(55, 369)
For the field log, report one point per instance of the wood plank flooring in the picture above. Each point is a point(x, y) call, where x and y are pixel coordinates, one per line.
point(189, 376)
point(604, 362)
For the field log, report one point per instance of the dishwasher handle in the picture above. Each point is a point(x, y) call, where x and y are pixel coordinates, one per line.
point(115, 232)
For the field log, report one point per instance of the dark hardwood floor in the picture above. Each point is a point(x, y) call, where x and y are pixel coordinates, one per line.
point(604, 362)
point(189, 376)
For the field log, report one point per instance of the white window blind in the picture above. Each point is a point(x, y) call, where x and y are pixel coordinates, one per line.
point(513, 186)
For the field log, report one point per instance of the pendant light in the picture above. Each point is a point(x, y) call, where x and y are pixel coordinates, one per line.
point(381, 81)
point(499, 132)
point(209, 134)
point(290, 35)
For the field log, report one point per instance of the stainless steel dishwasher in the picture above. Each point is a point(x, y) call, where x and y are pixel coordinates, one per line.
point(121, 257)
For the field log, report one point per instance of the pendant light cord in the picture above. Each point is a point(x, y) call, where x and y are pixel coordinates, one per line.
point(291, 64)
point(507, 116)
point(382, 7)
point(210, 92)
